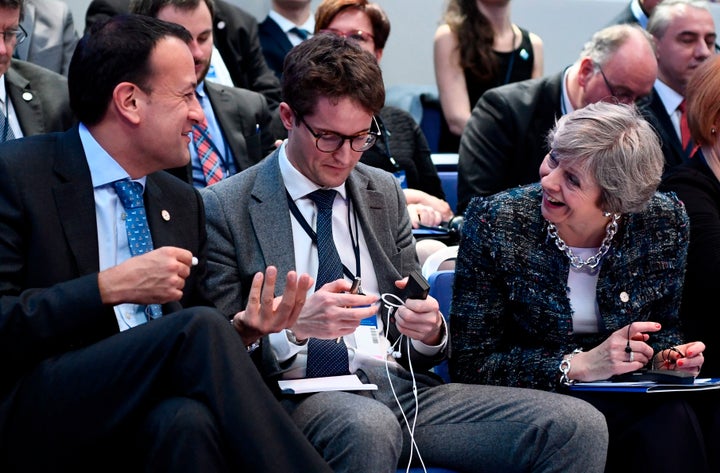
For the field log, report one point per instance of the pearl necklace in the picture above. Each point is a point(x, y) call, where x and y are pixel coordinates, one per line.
point(593, 261)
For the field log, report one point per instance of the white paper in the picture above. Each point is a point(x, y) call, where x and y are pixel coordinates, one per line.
point(348, 382)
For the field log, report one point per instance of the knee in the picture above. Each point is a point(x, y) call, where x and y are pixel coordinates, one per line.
point(580, 421)
point(180, 417)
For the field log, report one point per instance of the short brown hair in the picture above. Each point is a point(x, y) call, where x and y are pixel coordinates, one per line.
point(329, 9)
point(703, 101)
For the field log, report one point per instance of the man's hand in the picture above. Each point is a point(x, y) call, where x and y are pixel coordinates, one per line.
point(419, 319)
point(332, 312)
point(155, 277)
point(266, 313)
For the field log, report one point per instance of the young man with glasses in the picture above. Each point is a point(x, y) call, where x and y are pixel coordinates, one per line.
point(271, 213)
point(32, 99)
point(504, 141)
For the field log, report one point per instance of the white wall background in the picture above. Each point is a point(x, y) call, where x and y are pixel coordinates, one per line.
point(564, 26)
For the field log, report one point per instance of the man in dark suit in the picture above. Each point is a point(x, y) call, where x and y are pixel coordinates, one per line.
point(235, 34)
point(289, 22)
point(35, 99)
point(332, 89)
point(684, 33)
point(504, 141)
point(241, 128)
point(637, 11)
point(84, 371)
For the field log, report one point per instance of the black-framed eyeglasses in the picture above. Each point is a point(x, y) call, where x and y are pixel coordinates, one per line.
point(18, 35)
point(330, 141)
point(356, 35)
point(622, 97)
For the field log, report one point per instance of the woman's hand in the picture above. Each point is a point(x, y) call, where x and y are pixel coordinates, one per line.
point(688, 357)
point(624, 351)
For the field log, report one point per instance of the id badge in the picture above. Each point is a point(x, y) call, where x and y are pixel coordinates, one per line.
point(400, 176)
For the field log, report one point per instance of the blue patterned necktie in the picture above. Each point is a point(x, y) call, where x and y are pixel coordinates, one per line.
point(138, 232)
point(326, 357)
point(6, 133)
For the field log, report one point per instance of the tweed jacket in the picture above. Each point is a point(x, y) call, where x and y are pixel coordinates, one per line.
point(249, 228)
point(511, 319)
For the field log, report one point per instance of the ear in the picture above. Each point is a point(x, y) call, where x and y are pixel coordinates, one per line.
point(378, 54)
point(287, 116)
point(586, 71)
point(127, 101)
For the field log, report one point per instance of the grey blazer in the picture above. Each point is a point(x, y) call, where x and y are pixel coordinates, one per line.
point(249, 228)
point(51, 35)
point(40, 98)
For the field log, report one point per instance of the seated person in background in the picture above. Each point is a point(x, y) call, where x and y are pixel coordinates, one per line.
point(287, 24)
point(51, 35)
point(477, 48)
point(237, 131)
point(697, 184)
point(579, 278)
point(636, 11)
point(33, 99)
point(684, 34)
point(504, 141)
point(401, 147)
point(235, 36)
point(312, 207)
point(101, 364)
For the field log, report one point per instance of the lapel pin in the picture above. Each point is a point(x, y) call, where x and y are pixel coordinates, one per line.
point(624, 296)
point(27, 96)
point(165, 215)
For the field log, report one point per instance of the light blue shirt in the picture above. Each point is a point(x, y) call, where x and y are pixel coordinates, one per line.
point(113, 246)
point(227, 160)
point(642, 18)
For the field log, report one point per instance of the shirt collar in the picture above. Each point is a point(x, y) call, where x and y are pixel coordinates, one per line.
point(286, 25)
point(669, 97)
point(103, 168)
point(642, 18)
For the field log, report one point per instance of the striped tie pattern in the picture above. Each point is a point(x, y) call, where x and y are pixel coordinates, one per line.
point(6, 133)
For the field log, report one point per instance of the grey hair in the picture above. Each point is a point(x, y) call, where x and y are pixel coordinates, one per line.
point(605, 43)
point(615, 145)
point(665, 12)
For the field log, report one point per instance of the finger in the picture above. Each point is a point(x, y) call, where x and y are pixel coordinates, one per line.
point(255, 289)
point(268, 288)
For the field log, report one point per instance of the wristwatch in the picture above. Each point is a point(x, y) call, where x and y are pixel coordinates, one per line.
point(293, 339)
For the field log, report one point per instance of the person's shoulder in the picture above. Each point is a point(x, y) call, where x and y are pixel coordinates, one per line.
point(237, 94)
point(396, 115)
point(32, 71)
point(229, 10)
point(509, 202)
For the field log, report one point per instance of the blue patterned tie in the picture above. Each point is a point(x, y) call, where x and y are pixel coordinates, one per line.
point(301, 33)
point(326, 357)
point(138, 232)
point(6, 133)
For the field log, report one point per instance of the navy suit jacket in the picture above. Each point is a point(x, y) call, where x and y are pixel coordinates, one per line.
point(275, 44)
point(503, 143)
point(654, 112)
point(40, 98)
point(48, 231)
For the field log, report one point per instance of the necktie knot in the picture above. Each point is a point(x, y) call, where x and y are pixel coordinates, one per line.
point(130, 193)
point(681, 107)
point(302, 33)
point(323, 198)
